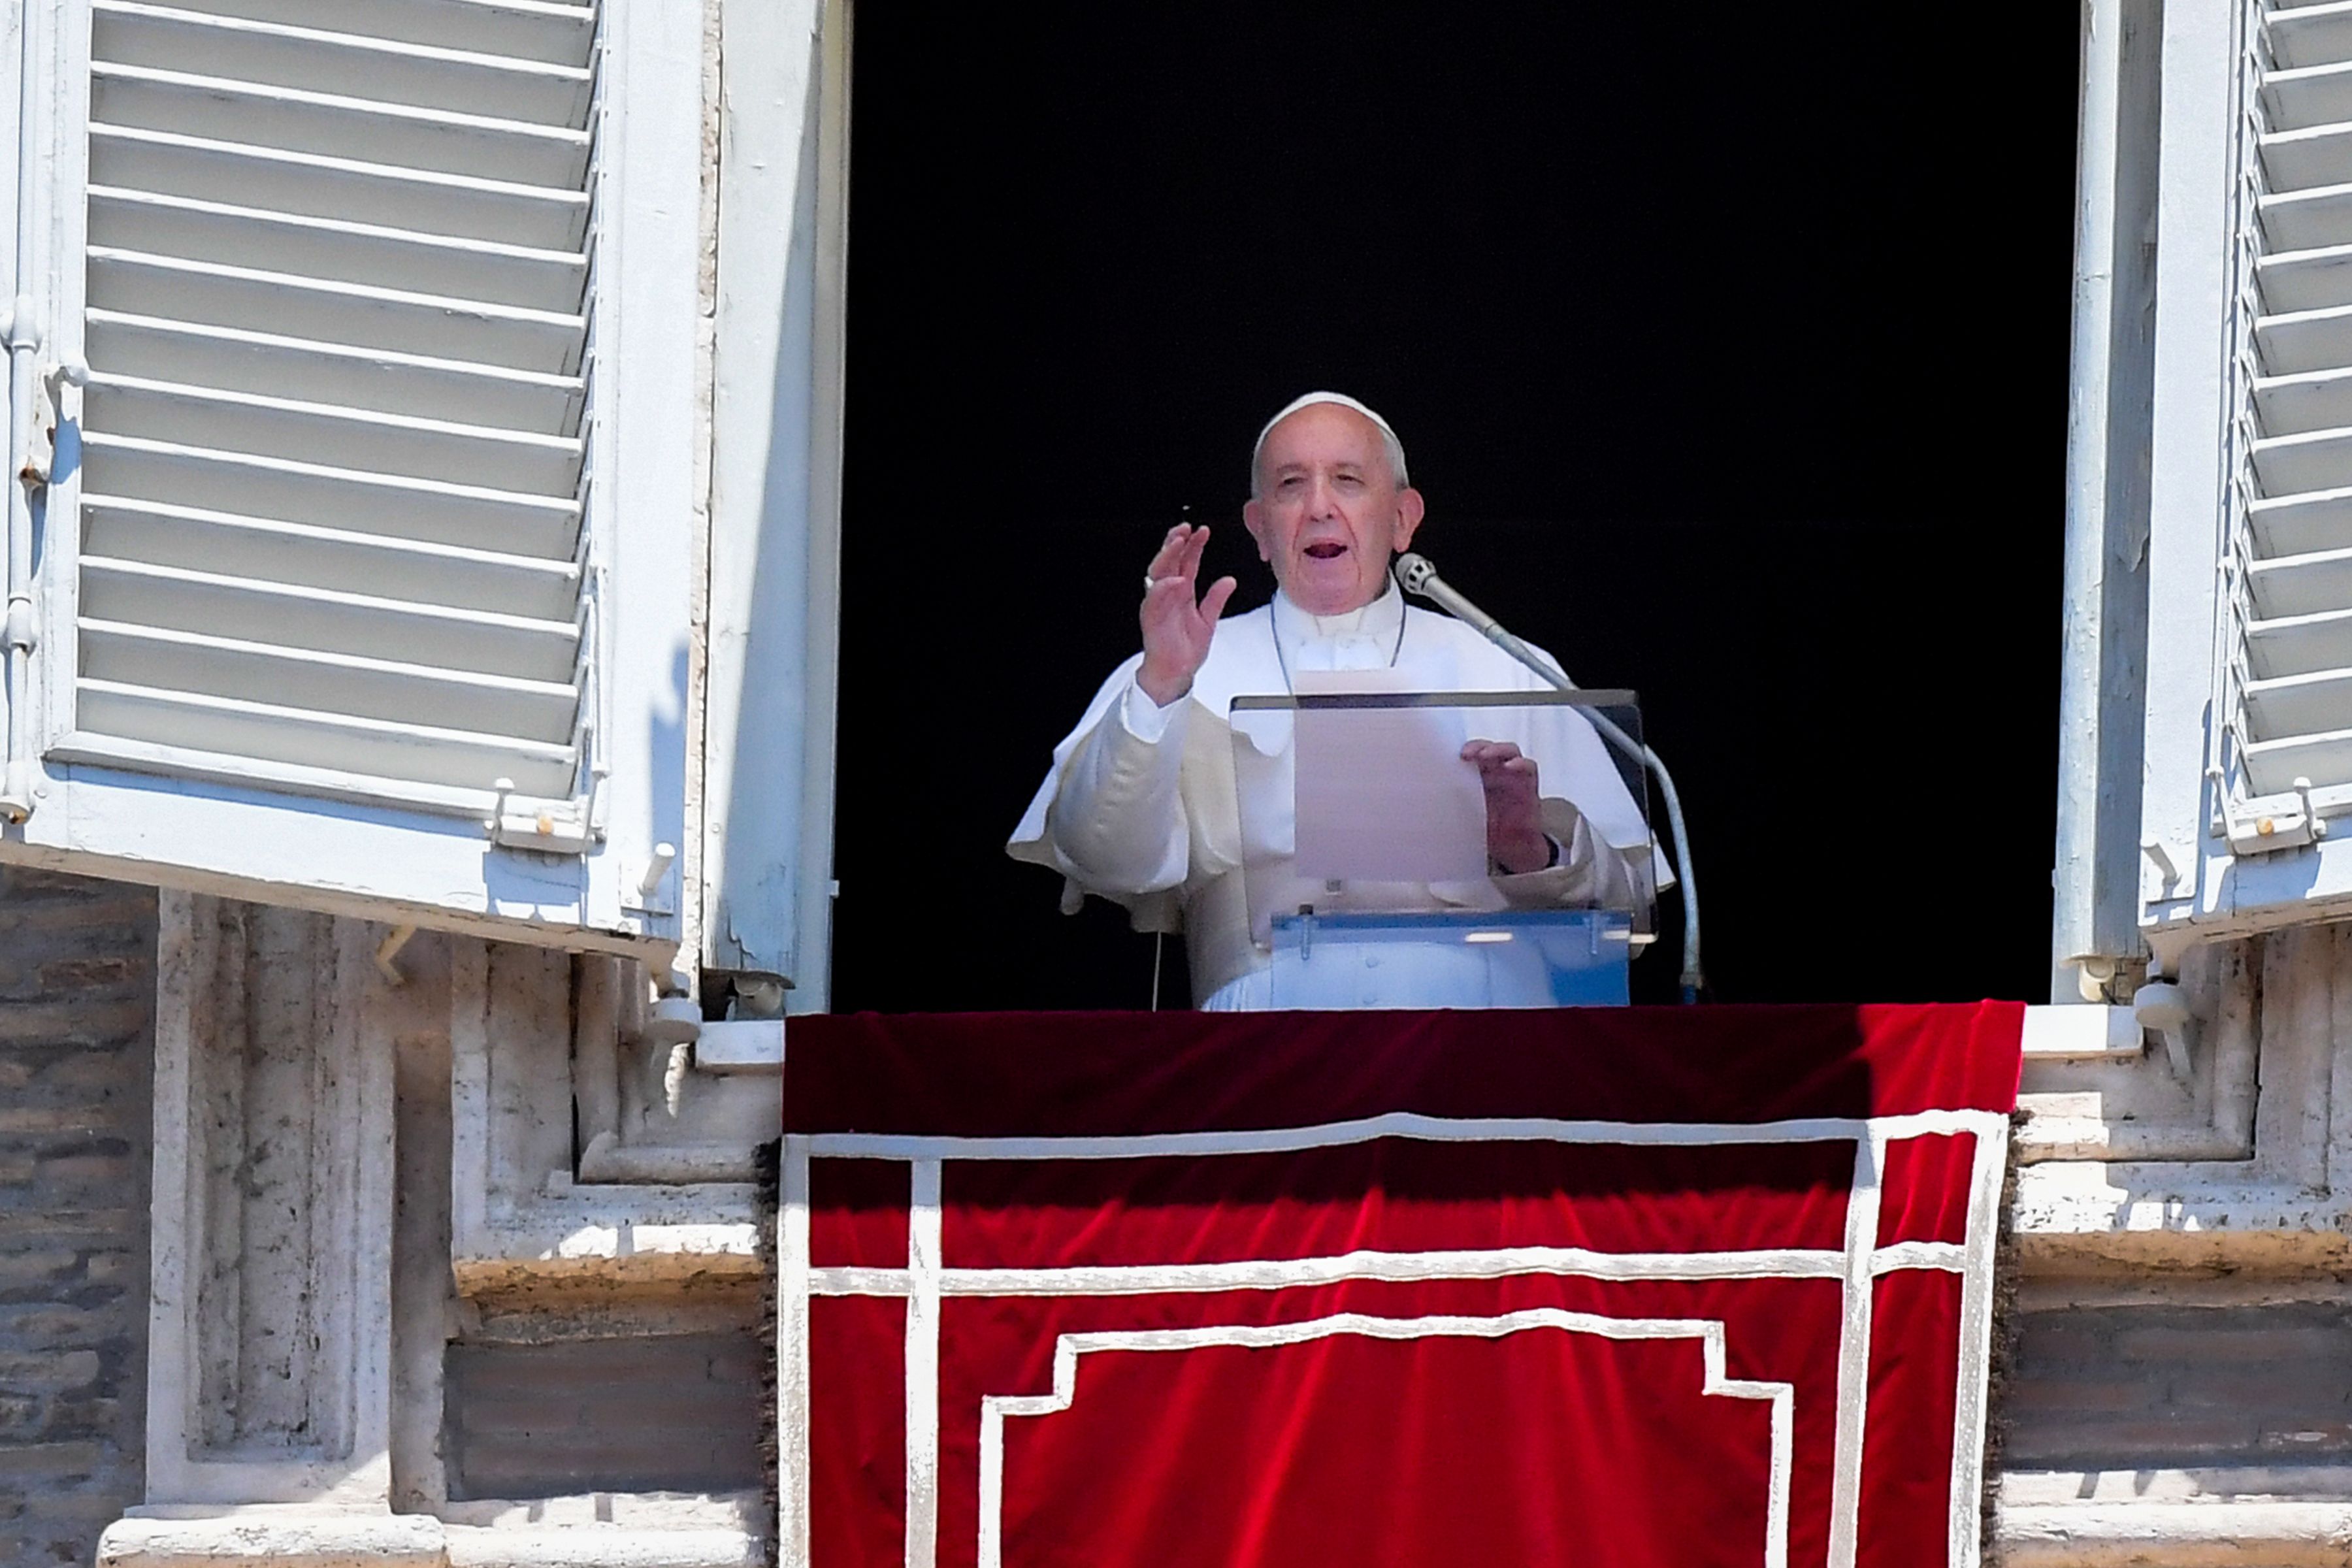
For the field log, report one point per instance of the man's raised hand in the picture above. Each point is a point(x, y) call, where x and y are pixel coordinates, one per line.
point(1176, 627)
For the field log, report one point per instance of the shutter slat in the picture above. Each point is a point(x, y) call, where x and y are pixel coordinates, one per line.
point(2312, 34)
point(430, 510)
point(334, 429)
point(397, 261)
point(524, 29)
point(2298, 280)
point(353, 190)
point(291, 735)
point(374, 443)
point(2310, 401)
point(2296, 160)
point(436, 140)
point(2305, 340)
point(2308, 219)
point(225, 359)
point(328, 684)
point(268, 53)
point(2300, 645)
point(2301, 704)
point(159, 534)
point(2312, 95)
point(2272, 767)
point(2307, 460)
point(326, 621)
point(2302, 524)
point(2303, 585)
point(356, 315)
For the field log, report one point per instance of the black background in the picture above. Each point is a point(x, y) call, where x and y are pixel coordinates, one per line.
point(1727, 343)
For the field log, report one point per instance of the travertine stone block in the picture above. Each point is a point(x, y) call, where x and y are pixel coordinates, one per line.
point(2247, 1165)
point(527, 1213)
point(269, 1321)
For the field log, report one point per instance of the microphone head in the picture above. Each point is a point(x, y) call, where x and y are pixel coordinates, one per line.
point(1413, 571)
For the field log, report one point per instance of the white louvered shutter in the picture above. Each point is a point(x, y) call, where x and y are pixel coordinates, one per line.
point(332, 437)
point(2291, 682)
point(375, 552)
point(2209, 576)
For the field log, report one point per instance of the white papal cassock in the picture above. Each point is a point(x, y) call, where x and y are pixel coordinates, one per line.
point(1143, 805)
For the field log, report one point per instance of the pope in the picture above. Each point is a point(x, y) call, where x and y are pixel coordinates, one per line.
point(1144, 804)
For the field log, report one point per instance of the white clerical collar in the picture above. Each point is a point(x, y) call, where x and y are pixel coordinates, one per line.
point(1367, 638)
point(1378, 621)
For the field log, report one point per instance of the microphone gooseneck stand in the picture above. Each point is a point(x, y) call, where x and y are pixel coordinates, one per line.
point(1416, 575)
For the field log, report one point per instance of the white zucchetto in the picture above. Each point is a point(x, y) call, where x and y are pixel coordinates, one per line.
point(1388, 431)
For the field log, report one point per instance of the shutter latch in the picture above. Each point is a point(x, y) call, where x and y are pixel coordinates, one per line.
point(2266, 824)
point(551, 828)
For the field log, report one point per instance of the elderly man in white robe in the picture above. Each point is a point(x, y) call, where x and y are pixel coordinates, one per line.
point(1143, 805)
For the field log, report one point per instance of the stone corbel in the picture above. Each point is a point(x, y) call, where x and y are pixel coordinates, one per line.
point(2085, 1103)
point(659, 1189)
point(2247, 1165)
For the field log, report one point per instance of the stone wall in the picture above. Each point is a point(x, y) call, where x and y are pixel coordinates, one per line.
point(397, 1317)
point(77, 1034)
point(2172, 1387)
point(2179, 1397)
point(566, 1352)
point(657, 1413)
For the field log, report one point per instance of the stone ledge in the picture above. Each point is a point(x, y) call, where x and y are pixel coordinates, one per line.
point(2073, 1215)
point(2213, 1534)
point(285, 1539)
point(576, 1246)
point(603, 1546)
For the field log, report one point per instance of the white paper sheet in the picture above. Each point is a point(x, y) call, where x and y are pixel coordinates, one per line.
point(1382, 793)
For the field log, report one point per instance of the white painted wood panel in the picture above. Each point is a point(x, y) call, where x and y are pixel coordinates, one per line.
point(313, 241)
point(366, 585)
point(2290, 704)
point(330, 250)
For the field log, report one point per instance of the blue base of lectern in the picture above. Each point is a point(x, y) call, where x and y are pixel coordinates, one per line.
point(1516, 958)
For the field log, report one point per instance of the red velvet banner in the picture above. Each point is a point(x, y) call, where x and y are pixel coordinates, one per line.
point(1684, 1287)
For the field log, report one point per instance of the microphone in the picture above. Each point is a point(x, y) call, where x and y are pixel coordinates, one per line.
point(1416, 575)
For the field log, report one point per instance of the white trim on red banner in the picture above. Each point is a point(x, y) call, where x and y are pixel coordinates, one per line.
point(923, 1256)
point(1854, 1348)
point(792, 1352)
point(1067, 1348)
point(1287, 1274)
point(1394, 1124)
point(1986, 1175)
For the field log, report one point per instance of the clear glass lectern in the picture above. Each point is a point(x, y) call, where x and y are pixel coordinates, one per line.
point(1365, 857)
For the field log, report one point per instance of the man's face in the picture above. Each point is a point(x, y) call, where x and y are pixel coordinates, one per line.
point(1328, 513)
